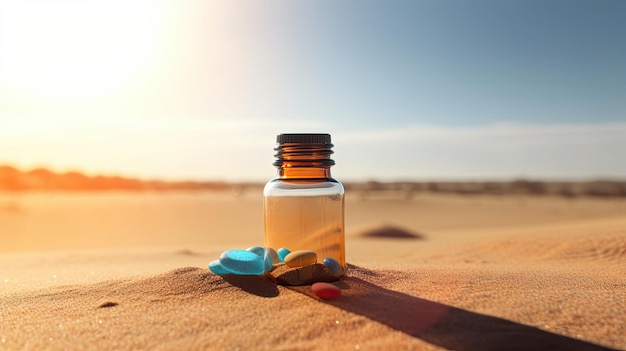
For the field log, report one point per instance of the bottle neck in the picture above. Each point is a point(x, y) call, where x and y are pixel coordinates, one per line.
point(303, 160)
point(304, 173)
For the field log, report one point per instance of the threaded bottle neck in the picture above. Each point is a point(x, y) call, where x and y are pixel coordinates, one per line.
point(303, 155)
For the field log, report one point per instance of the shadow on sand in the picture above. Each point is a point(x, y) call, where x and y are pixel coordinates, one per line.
point(442, 325)
point(257, 285)
point(391, 232)
point(436, 323)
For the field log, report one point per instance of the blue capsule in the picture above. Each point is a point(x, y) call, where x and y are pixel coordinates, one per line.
point(217, 268)
point(242, 262)
point(282, 253)
point(333, 266)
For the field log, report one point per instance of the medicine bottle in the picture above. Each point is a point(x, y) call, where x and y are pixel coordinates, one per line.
point(304, 205)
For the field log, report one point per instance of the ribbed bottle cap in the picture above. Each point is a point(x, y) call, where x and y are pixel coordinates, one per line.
point(303, 138)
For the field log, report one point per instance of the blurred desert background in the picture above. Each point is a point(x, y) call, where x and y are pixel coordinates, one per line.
point(42, 210)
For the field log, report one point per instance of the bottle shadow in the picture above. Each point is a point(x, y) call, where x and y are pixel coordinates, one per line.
point(443, 325)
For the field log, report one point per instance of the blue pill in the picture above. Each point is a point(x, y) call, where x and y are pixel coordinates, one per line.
point(262, 253)
point(217, 268)
point(333, 266)
point(282, 253)
point(273, 255)
point(242, 262)
point(257, 250)
point(268, 263)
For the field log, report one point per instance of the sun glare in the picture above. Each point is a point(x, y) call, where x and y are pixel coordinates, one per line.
point(74, 50)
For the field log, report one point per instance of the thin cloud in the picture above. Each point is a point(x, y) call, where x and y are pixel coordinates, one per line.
point(510, 133)
point(564, 151)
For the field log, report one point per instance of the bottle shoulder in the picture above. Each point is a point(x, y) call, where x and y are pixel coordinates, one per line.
point(303, 187)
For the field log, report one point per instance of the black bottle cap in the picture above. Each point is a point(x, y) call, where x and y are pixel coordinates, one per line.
point(303, 138)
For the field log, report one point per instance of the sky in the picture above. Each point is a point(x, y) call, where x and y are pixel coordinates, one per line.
point(409, 90)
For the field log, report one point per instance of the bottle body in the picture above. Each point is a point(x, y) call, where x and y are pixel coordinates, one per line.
point(304, 212)
point(306, 215)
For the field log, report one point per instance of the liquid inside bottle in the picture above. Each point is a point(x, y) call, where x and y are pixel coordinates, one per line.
point(307, 223)
point(304, 206)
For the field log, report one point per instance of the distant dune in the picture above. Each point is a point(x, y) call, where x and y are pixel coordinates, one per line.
point(601, 188)
point(390, 232)
point(13, 179)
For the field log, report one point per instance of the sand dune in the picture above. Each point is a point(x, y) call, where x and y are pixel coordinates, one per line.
point(582, 242)
point(487, 273)
point(190, 308)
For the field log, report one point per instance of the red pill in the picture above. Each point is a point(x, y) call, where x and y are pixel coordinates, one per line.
point(325, 290)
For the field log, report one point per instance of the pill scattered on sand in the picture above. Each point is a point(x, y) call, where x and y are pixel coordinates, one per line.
point(217, 268)
point(333, 266)
point(242, 262)
point(301, 258)
point(273, 254)
point(257, 250)
point(268, 263)
point(269, 257)
point(282, 252)
point(325, 290)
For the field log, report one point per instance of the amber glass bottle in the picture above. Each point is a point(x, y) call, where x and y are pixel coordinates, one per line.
point(303, 204)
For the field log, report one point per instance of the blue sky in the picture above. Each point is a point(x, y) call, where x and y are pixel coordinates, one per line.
point(409, 89)
point(459, 63)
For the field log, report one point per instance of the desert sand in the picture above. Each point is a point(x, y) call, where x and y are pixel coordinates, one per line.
point(127, 271)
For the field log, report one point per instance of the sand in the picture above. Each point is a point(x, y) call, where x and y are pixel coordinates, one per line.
point(127, 271)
